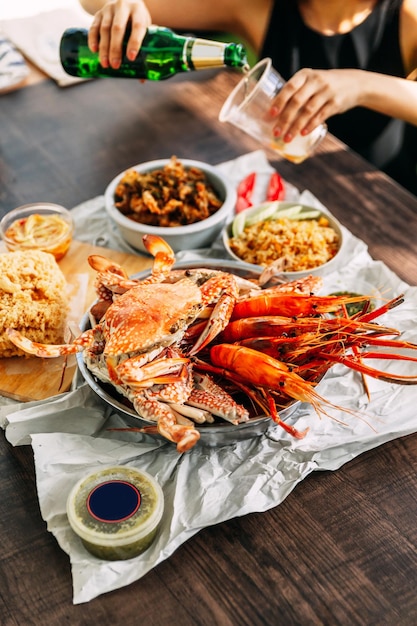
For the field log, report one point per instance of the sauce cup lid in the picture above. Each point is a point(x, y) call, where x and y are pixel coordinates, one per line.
point(115, 506)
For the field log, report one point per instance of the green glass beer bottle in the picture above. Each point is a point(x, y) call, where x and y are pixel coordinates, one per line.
point(163, 54)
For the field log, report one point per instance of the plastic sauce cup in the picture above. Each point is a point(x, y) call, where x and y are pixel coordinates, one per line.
point(116, 512)
point(39, 226)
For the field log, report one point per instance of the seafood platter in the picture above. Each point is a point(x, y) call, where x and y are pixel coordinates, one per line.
point(215, 432)
point(209, 352)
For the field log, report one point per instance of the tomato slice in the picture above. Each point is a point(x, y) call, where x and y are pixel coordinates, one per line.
point(276, 188)
point(242, 204)
point(245, 191)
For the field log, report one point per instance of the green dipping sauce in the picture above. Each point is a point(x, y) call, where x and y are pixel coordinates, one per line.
point(354, 307)
point(116, 512)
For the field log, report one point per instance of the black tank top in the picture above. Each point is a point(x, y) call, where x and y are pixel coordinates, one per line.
point(373, 45)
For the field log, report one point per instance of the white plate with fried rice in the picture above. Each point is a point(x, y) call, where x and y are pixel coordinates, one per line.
point(296, 239)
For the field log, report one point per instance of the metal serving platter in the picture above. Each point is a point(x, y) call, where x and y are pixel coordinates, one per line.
point(216, 434)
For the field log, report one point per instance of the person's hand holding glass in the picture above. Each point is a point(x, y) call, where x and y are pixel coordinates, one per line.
point(250, 107)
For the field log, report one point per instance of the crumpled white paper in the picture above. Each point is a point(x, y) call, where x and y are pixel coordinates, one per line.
point(71, 434)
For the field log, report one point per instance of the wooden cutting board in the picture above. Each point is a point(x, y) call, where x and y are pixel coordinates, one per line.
point(33, 378)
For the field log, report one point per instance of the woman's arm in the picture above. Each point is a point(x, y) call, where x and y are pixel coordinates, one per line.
point(408, 35)
point(312, 96)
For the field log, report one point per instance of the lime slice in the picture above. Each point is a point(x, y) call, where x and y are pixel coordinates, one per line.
point(268, 211)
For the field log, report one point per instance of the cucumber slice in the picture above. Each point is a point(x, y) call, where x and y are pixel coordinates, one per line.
point(296, 212)
point(238, 225)
point(261, 213)
point(291, 211)
point(307, 215)
point(270, 211)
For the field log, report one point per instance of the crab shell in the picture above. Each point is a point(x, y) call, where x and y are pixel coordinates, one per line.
point(149, 316)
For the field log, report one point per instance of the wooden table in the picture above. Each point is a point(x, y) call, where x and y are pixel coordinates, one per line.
point(342, 548)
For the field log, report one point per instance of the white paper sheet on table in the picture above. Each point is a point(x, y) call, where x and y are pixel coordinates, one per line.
point(38, 37)
point(70, 435)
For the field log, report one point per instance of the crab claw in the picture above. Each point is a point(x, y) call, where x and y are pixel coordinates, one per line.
point(102, 264)
point(185, 435)
point(164, 257)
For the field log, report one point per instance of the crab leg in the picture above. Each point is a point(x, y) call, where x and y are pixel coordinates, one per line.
point(200, 416)
point(184, 435)
point(208, 395)
point(229, 411)
point(223, 288)
point(160, 371)
point(215, 324)
point(51, 351)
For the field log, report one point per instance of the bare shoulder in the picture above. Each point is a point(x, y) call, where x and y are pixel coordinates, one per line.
point(409, 12)
point(409, 34)
point(254, 20)
point(246, 18)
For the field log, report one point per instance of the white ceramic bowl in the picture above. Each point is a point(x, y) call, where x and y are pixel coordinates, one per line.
point(198, 235)
point(320, 270)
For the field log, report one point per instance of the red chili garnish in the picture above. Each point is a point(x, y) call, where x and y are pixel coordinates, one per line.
point(276, 188)
point(244, 192)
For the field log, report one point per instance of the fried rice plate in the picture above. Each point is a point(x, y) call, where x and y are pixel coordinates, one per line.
point(300, 244)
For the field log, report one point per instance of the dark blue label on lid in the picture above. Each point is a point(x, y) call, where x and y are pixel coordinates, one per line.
point(113, 501)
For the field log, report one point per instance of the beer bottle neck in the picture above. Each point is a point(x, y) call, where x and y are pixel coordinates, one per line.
point(204, 54)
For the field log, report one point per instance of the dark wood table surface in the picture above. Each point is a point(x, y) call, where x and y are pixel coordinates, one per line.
point(342, 548)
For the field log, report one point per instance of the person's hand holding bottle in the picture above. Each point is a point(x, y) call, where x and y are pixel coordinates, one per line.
point(123, 42)
point(108, 28)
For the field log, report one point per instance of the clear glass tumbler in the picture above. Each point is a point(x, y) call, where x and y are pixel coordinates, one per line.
point(248, 105)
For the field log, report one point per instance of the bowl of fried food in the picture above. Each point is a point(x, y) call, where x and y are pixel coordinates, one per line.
point(291, 238)
point(184, 201)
